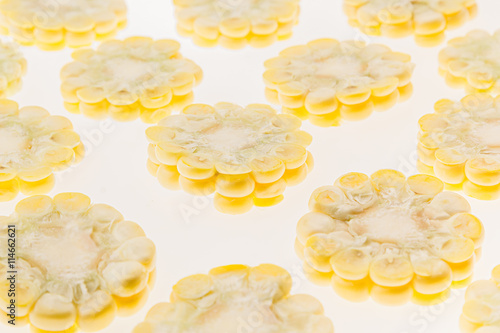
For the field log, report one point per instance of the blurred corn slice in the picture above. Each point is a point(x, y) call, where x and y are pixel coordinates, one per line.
point(389, 237)
point(125, 80)
point(327, 81)
point(460, 144)
point(247, 156)
point(237, 298)
point(13, 67)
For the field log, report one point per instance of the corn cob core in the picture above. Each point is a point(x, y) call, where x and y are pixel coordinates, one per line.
point(460, 143)
point(33, 144)
point(73, 23)
point(237, 298)
point(128, 79)
point(481, 312)
point(78, 264)
point(327, 80)
point(234, 24)
point(390, 237)
point(12, 68)
point(426, 19)
point(246, 155)
point(473, 62)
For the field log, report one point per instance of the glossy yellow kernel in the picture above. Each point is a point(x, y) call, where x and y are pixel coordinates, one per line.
point(364, 232)
point(266, 153)
point(75, 25)
point(144, 78)
point(399, 19)
point(102, 262)
point(208, 301)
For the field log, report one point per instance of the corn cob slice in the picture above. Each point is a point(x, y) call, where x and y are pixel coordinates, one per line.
point(33, 145)
point(326, 81)
point(235, 24)
point(460, 144)
point(481, 312)
point(52, 26)
point(247, 156)
point(12, 68)
point(472, 62)
point(137, 77)
point(389, 237)
point(427, 20)
point(237, 298)
point(79, 265)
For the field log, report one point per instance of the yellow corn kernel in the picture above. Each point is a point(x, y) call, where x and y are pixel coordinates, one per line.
point(195, 298)
point(266, 153)
point(464, 67)
point(459, 144)
point(13, 68)
point(426, 19)
point(75, 25)
point(103, 261)
point(144, 78)
point(364, 232)
point(33, 145)
point(326, 80)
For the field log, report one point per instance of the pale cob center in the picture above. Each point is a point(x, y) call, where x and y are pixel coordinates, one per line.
point(126, 69)
point(68, 9)
point(230, 137)
point(13, 140)
point(340, 67)
point(489, 135)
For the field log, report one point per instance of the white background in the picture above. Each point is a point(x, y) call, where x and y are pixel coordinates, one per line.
point(191, 236)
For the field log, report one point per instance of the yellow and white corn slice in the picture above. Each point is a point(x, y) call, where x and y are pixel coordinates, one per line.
point(326, 80)
point(247, 156)
point(237, 298)
point(54, 25)
point(389, 237)
point(427, 20)
point(235, 24)
point(472, 62)
point(137, 77)
point(79, 264)
point(12, 68)
point(481, 312)
point(460, 144)
point(33, 145)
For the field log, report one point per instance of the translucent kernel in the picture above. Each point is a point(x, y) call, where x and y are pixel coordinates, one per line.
point(217, 302)
point(326, 79)
point(142, 78)
point(266, 153)
point(104, 264)
point(393, 238)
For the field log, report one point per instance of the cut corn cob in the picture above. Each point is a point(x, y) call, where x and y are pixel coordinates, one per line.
point(12, 68)
point(237, 298)
point(472, 62)
point(33, 144)
point(235, 24)
point(389, 237)
point(481, 312)
point(137, 77)
point(460, 144)
point(247, 156)
point(326, 80)
point(54, 25)
point(78, 265)
point(427, 20)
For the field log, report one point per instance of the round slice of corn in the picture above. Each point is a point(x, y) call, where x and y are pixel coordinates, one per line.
point(481, 312)
point(472, 62)
point(460, 144)
point(390, 237)
point(125, 80)
point(427, 20)
point(79, 265)
point(235, 24)
point(248, 156)
point(52, 26)
point(12, 68)
point(33, 145)
point(237, 298)
point(326, 81)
